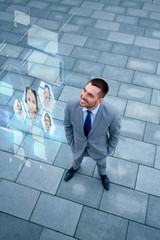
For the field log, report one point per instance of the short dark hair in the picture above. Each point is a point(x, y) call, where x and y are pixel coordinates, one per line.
point(101, 84)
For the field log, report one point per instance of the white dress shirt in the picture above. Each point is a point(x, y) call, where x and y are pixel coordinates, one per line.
point(93, 113)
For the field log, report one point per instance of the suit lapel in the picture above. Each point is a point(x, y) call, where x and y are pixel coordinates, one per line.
point(97, 119)
point(79, 117)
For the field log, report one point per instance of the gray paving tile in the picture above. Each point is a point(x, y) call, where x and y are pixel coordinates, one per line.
point(73, 39)
point(158, 69)
point(153, 212)
point(111, 26)
point(142, 65)
point(3, 6)
point(81, 20)
point(132, 4)
point(16, 81)
point(132, 128)
point(6, 16)
point(12, 227)
point(134, 92)
point(121, 37)
point(147, 42)
point(114, 9)
point(85, 12)
point(10, 37)
point(155, 15)
point(49, 234)
point(5, 25)
point(152, 33)
point(157, 162)
point(66, 93)
point(154, 24)
point(59, 16)
point(65, 49)
point(110, 2)
point(128, 50)
point(121, 172)
point(85, 53)
point(141, 232)
point(38, 4)
point(58, 110)
point(6, 93)
point(10, 165)
point(11, 51)
point(2, 59)
point(59, 7)
point(144, 182)
point(40, 176)
point(48, 24)
point(119, 103)
point(95, 33)
point(15, 139)
point(113, 59)
point(72, 2)
point(88, 67)
point(130, 29)
point(103, 15)
point(44, 150)
point(125, 202)
point(93, 5)
point(150, 54)
point(72, 28)
point(57, 213)
point(12, 197)
point(23, 2)
point(127, 19)
point(15, 65)
point(15, 6)
point(89, 190)
point(152, 133)
point(142, 111)
point(64, 159)
point(6, 115)
point(137, 12)
point(75, 79)
point(95, 225)
point(37, 12)
point(98, 44)
point(118, 74)
point(113, 87)
point(151, 7)
point(148, 80)
point(133, 150)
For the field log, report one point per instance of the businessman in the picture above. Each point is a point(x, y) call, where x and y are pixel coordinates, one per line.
point(92, 128)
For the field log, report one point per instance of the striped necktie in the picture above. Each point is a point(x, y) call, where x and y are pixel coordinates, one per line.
point(87, 124)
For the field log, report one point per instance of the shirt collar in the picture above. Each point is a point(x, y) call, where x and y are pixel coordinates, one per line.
point(94, 111)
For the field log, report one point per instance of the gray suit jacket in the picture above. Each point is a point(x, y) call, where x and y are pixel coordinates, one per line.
point(104, 133)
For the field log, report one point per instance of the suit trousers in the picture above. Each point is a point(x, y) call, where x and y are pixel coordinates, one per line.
point(101, 163)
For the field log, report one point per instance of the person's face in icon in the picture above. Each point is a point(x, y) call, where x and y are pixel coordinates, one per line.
point(46, 94)
point(31, 103)
point(47, 122)
point(19, 106)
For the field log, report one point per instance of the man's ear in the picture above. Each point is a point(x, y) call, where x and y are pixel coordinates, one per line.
point(101, 100)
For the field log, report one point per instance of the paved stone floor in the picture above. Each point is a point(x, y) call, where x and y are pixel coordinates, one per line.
point(118, 40)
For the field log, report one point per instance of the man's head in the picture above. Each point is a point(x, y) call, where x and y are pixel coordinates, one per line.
point(93, 93)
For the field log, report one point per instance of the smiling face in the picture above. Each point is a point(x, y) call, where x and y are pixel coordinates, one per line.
point(90, 97)
point(19, 106)
point(47, 122)
point(31, 103)
point(46, 94)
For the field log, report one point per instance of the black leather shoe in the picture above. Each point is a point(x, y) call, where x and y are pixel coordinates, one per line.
point(105, 182)
point(69, 174)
